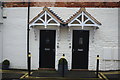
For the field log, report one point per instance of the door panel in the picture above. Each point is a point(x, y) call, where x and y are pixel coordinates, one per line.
point(80, 49)
point(47, 49)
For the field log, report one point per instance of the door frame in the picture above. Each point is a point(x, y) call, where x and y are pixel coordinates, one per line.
point(72, 47)
point(55, 45)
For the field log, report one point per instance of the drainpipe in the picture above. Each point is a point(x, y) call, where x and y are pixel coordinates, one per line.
point(28, 53)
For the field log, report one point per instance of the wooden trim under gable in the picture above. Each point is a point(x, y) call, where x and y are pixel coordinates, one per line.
point(69, 20)
point(53, 15)
point(50, 12)
point(74, 16)
point(79, 12)
point(84, 10)
point(36, 17)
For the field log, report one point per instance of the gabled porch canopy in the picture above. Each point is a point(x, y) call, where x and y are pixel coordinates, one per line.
point(45, 18)
point(83, 18)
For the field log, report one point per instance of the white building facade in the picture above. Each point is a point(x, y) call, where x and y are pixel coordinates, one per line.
point(79, 33)
point(1, 33)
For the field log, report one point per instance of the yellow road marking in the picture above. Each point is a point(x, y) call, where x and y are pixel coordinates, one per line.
point(24, 75)
point(28, 76)
point(100, 76)
point(60, 78)
point(104, 76)
point(12, 71)
point(116, 72)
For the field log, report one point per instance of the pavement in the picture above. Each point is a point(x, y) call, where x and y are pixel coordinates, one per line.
point(12, 74)
point(55, 75)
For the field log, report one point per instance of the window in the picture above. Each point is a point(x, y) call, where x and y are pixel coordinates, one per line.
point(80, 41)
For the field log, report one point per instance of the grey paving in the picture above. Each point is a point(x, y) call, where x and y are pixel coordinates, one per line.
point(68, 74)
point(11, 76)
point(113, 76)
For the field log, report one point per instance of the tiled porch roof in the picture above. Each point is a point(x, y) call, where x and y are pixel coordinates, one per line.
point(79, 12)
point(70, 18)
point(54, 15)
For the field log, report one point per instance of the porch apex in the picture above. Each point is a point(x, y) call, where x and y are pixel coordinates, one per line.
point(45, 18)
point(83, 18)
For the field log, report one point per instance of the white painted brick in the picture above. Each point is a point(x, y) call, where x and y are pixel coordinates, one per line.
point(1, 42)
point(14, 37)
point(1, 35)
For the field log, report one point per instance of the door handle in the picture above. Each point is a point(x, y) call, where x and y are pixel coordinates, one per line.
point(80, 49)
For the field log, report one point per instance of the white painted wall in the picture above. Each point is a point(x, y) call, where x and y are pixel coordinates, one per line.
point(0, 11)
point(1, 49)
point(105, 38)
point(119, 37)
point(1, 34)
point(14, 37)
point(1, 39)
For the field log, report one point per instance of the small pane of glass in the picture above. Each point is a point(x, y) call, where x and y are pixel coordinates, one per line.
point(47, 40)
point(80, 40)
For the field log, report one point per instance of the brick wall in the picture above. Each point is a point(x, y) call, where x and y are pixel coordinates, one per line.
point(62, 4)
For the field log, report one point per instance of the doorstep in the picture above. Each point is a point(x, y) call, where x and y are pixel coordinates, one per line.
point(47, 69)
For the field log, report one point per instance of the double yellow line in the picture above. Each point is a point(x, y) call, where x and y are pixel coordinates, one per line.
point(25, 76)
point(11, 71)
point(102, 75)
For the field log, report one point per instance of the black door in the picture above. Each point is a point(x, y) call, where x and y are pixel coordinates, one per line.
point(47, 49)
point(80, 49)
